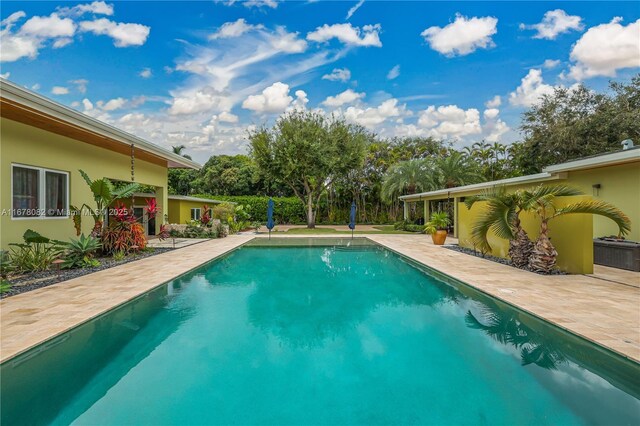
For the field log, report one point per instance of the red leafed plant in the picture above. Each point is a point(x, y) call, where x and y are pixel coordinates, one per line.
point(152, 208)
point(123, 236)
point(206, 215)
point(122, 214)
point(164, 232)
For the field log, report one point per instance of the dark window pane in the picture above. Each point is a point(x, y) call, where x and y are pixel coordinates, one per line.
point(55, 194)
point(26, 193)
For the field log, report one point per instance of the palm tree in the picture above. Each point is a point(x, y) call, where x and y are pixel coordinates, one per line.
point(178, 149)
point(408, 177)
point(502, 216)
point(455, 170)
point(541, 201)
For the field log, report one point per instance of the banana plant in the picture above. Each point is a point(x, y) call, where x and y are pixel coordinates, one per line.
point(104, 194)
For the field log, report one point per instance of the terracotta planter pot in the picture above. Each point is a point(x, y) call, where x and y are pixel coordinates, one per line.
point(439, 237)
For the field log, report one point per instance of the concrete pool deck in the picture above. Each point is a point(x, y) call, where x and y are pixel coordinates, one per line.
point(603, 308)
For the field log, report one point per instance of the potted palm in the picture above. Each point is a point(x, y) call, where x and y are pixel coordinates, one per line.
point(437, 227)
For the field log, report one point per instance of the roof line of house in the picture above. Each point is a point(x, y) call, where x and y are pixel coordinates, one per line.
point(181, 197)
point(44, 105)
point(554, 172)
point(539, 177)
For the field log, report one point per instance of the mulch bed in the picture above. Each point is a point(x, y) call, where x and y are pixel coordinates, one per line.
point(497, 259)
point(35, 280)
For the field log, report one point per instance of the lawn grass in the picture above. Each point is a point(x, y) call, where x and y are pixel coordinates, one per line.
point(383, 229)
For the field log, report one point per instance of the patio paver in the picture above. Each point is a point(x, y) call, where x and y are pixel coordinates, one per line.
point(31, 318)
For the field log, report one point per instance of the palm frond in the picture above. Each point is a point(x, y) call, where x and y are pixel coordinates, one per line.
point(85, 176)
point(601, 208)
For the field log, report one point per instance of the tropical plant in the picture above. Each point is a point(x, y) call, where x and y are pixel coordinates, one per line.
point(439, 221)
point(152, 208)
point(455, 170)
point(119, 255)
point(206, 215)
point(408, 177)
point(124, 234)
point(79, 253)
point(35, 254)
point(541, 200)
point(5, 286)
point(502, 216)
point(179, 149)
point(104, 194)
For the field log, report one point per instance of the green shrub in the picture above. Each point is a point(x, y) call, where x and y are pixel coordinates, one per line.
point(36, 253)
point(409, 227)
point(5, 286)
point(287, 209)
point(80, 252)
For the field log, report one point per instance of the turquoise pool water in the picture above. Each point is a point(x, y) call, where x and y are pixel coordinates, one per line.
point(317, 335)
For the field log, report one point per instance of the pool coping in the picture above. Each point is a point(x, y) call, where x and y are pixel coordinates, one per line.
point(27, 332)
point(25, 337)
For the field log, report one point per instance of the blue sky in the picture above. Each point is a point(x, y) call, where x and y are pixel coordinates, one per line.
point(203, 73)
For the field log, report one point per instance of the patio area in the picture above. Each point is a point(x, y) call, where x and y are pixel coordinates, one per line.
point(603, 307)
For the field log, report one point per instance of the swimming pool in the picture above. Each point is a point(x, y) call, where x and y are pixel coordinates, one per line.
point(320, 334)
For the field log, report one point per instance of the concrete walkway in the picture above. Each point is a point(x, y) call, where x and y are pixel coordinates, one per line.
point(595, 307)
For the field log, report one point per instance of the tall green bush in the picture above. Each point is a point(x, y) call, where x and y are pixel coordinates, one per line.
point(287, 209)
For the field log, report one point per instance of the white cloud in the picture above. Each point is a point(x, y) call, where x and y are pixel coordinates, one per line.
point(227, 117)
point(86, 103)
point(374, 116)
point(5, 75)
point(96, 8)
point(35, 87)
point(145, 73)
point(347, 34)
point(200, 100)
point(62, 42)
point(606, 48)
point(338, 74)
point(550, 63)
point(531, 89)
point(300, 102)
point(59, 90)
point(123, 35)
point(113, 104)
point(493, 102)
point(553, 23)
point(51, 26)
point(450, 121)
point(32, 35)
point(353, 9)
point(81, 85)
point(493, 128)
point(234, 29)
point(346, 97)
point(462, 36)
point(393, 72)
point(260, 3)
point(273, 99)
point(287, 42)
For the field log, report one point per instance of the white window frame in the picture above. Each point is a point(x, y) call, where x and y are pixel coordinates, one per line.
point(199, 209)
point(42, 197)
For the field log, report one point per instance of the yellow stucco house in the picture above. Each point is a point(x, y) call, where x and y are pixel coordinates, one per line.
point(43, 144)
point(182, 209)
point(613, 177)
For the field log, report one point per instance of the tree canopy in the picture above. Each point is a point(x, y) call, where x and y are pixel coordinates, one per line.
point(308, 151)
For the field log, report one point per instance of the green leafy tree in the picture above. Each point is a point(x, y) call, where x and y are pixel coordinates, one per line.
point(572, 123)
point(408, 177)
point(307, 152)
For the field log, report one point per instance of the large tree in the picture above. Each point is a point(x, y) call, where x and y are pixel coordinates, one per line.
point(307, 151)
point(577, 122)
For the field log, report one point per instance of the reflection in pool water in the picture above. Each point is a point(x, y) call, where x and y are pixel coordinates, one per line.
point(320, 335)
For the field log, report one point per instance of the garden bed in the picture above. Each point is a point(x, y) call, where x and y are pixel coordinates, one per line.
point(497, 259)
point(22, 283)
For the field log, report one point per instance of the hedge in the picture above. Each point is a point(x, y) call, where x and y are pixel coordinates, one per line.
point(287, 209)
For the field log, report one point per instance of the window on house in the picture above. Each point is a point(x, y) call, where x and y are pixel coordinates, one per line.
point(195, 214)
point(39, 193)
